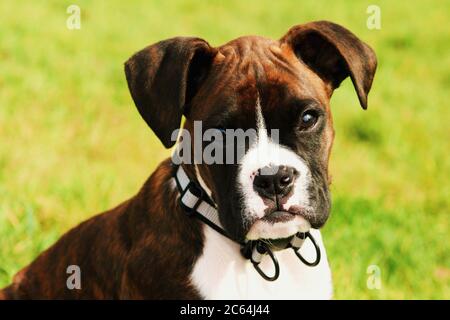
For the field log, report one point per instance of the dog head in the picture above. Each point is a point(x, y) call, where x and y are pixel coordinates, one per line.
point(276, 90)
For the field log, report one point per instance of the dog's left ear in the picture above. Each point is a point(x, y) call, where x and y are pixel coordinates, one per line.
point(164, 77)
point(334, 53)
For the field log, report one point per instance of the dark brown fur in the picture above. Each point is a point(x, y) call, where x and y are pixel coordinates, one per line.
point(133, 251)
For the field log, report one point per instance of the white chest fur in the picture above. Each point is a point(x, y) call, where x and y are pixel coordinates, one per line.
point(222, 273)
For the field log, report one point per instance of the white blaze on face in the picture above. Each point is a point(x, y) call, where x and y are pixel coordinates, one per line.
point(267, 152)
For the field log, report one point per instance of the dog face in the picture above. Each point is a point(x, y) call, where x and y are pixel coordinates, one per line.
point(278, 91)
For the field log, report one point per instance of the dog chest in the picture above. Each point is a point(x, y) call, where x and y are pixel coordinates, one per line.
point(222, 273)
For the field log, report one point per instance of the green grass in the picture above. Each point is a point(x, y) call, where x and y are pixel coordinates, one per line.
point(72, 143)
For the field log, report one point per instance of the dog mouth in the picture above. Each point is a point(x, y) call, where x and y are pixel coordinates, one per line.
point(278, 216)
point(277, 228)
point(278, 244)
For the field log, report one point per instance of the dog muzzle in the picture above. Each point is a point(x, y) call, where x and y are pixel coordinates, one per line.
point(196, 203)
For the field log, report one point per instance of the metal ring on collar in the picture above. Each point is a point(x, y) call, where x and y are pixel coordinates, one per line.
point(262, 249)
point(316, 247)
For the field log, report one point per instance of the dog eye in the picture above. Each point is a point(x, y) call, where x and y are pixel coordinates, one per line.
point(308, 119)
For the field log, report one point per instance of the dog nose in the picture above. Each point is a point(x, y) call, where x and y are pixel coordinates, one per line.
point(274, 181)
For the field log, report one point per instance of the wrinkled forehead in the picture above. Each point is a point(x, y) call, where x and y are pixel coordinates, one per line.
point(252, 68)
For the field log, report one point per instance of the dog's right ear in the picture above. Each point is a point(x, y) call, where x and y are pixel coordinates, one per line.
point(334, 53)
point(164, 77)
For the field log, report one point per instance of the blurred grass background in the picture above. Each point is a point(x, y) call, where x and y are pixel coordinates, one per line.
point(72, 143)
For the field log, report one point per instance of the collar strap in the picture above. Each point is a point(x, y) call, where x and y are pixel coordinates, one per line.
point(194, 200)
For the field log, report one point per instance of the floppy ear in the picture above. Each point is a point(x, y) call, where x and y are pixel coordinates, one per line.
point(164, 77)
point(334, 53)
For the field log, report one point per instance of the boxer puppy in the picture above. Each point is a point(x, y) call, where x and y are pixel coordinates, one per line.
point(148, 247)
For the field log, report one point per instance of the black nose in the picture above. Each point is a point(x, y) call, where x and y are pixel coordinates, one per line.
point(274, 181)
